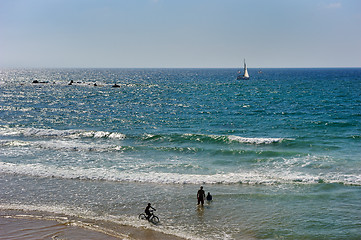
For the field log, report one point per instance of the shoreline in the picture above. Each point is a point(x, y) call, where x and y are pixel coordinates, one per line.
point(33, 225)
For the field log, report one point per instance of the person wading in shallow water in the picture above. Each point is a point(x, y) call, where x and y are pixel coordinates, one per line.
point(200, 196)
point(209, 197)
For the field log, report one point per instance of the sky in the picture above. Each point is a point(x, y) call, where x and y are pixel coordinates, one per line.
point(180, 33)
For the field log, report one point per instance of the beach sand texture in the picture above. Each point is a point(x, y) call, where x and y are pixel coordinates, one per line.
point(27, 227)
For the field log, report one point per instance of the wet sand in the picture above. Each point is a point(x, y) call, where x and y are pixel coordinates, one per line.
point(31, 229)
point(22, 227)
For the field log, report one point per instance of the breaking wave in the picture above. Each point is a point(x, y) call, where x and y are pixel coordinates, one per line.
point(53, 133)
point(204, 138)
point(252, 177)
point(156, 138)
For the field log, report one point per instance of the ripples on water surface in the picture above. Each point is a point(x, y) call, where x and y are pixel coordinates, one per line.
point(280, 152)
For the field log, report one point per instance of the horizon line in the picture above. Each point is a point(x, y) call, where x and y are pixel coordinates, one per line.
point(19, 67)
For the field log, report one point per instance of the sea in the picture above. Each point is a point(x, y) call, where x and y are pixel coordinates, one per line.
point(280, 153)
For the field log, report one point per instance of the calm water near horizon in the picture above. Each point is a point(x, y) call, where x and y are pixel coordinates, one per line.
point(280, 153)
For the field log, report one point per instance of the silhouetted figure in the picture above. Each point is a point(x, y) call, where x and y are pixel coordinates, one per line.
point(209, 197)
point(200, 196)
point(147, 210)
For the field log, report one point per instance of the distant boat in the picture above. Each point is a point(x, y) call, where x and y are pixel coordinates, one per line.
point(245, 75)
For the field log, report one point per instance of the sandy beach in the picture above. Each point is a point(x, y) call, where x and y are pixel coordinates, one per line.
point(30, 227)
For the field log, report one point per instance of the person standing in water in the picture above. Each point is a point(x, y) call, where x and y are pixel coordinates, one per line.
point(200, 196)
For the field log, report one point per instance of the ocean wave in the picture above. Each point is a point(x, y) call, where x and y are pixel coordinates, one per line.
point(255, 140)
point(54, 133)
point(173, 138)
point(83, 146)
point(13, 143)
point(66, 145)
point(205, 138)
point(230, 139)
point(252, 177)
point(355, 136)
point(80, 146)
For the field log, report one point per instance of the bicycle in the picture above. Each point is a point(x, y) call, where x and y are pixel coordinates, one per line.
point(154, 219)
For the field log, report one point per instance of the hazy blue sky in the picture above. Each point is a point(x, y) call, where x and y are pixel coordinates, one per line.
point(183, 33)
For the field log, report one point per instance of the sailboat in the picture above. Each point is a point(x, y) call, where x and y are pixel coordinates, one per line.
point(245, 75)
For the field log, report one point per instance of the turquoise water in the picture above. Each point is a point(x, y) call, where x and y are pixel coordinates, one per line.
point(280, 153)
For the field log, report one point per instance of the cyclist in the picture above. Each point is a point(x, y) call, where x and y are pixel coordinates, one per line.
point(147, 210)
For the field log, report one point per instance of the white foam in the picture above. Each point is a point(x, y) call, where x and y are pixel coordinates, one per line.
point(234, 138)
point(14, 143)
point(73, 146)
point(73, 133)
point(77, 133)
point(254, 140)
point(246, 177)
point(116, 136)
point(57, 209)
point(66, 145)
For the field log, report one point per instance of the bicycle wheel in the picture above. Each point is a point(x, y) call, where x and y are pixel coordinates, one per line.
point(142, 216)
point(155, 219)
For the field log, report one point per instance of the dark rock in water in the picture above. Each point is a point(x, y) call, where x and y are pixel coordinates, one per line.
point(36, 81)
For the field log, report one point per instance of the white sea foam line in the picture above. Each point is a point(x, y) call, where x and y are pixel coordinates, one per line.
point(179, 231)
point(72, 133)
point(62, 145)
point(77, 133)
point(14, 143)
point(72, 145)
point(58, 209)
point(248, 177)
point(234, 138)
point(254, 140)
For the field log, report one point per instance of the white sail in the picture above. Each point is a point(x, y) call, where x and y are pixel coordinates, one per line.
point(245, 75)
point(245, 70)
